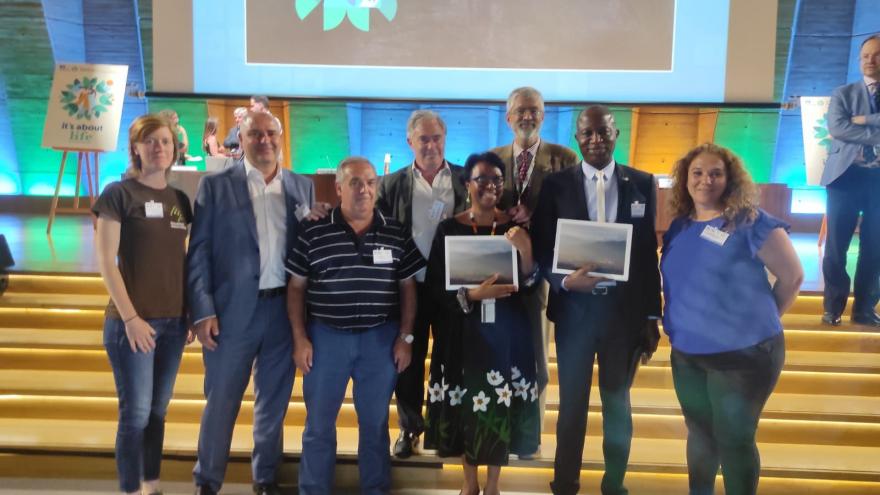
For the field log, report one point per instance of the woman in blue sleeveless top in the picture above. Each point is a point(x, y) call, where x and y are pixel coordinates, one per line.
point(722, 314)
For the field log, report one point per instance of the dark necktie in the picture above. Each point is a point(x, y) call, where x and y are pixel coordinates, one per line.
point(522, 167)
point(869, 154)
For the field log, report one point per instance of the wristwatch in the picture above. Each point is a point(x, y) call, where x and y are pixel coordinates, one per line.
point(461, 297)
point(407, 338)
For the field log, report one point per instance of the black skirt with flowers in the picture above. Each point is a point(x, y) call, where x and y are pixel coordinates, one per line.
point(482, 398)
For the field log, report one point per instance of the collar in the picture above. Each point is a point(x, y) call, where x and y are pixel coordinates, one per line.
point(591, 171)
point(533, 149)
point(444, 169)
point(337, 218)
point(249, 170)
point(869, 81)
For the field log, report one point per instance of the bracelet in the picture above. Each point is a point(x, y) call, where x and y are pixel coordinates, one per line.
point(461, 297)
point(128, 320)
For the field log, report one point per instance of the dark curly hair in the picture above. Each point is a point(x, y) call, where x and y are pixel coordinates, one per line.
point(487, 157)
point(739, 201)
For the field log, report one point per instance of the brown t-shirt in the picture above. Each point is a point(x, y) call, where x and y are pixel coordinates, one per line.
point(152, 245)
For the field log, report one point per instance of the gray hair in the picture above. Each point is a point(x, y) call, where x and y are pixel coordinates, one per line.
point(240, 111)
point(525, 92)
point(419, 115)
point(349, 161)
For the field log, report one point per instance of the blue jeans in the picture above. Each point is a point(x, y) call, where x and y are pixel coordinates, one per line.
point(366, 358)
point(144, 383)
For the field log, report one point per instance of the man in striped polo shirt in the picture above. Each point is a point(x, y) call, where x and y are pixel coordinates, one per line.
point(352, 302)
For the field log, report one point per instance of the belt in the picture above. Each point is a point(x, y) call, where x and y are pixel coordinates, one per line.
point(601, 291)
point(273, 292)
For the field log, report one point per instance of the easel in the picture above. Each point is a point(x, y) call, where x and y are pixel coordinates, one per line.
point(84, 158)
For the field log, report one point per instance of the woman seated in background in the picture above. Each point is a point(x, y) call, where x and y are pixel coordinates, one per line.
point(209, 139)
point(140, 245)
point(483, 395)
point(722, 314)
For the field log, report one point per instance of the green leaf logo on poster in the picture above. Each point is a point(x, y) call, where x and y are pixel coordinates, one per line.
point(821, 132)
point(357, 11)
point(87, 98)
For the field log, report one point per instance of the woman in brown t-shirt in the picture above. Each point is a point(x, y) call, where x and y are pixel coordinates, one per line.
point(141, 238)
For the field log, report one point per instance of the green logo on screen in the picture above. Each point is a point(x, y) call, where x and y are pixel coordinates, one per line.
point(87, 98)
point(357, 11)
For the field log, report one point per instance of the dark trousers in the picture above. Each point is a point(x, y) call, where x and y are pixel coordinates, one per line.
point(578, 341)
point(144, 384)
point(263, 348)
point(410, 389)
point(857, 190)
point(722, 396)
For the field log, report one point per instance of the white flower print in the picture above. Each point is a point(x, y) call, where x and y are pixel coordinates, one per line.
point(521, 389)
point(436, 392)
point(515, 373)
point(494, 378)
point(456, 395)
point(534, 391)
point(480, 402)
point(504, 395)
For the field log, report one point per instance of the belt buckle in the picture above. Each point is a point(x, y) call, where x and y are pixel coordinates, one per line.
point(600, 291)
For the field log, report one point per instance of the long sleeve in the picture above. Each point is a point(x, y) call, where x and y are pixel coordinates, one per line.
point(840, 126)
point(198, 263)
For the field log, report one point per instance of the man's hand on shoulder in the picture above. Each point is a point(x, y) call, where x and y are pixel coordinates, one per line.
point(318, 211)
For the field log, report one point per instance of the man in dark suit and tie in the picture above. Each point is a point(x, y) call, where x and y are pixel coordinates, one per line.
point(852, 180)
point(419, 196)
point(245, 217)
point(527, 160)
point(595, 317)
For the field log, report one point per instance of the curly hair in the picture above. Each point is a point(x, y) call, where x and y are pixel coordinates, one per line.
point(739, 201)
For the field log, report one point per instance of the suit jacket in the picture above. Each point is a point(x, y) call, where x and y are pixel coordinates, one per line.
point(231, 140)
point(563, 196)
point(223, 261)
point(849, 139)
point(395, 193)
point(548, 159)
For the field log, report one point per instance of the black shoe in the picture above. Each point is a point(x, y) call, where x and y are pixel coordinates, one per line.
point(405, 445)
point(870, 318)
point(831, 319)
point(204, 490)
point(266, 489)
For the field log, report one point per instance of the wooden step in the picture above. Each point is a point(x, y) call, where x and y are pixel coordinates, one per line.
point(651, 455)
point(56, 284)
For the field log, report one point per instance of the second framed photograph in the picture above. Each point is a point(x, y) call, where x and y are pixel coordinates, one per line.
point(470, 259)
point(581, 242)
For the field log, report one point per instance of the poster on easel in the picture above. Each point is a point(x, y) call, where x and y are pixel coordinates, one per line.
point(85, 107)
point(817, 139)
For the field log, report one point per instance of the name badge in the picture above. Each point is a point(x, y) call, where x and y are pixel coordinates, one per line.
point(637, 210)
point(487, 311)
point(436, 212)
point(301, 211)
point(382, 256)
point(153, 209)
point(714, 235)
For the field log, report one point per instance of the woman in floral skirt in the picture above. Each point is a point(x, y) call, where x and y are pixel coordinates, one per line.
point(482, 402)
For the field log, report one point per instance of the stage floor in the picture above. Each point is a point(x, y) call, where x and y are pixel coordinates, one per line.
point(70, 248)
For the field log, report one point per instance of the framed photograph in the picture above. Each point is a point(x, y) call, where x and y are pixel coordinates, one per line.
point(470, 259)
point(607, 245)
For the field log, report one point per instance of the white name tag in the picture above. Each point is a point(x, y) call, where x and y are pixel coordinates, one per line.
point(715, 236)
point(436, 212)
point(301, 212)
point(382, 256)
point(487, 311)
point(637, 210)
point(153, 209)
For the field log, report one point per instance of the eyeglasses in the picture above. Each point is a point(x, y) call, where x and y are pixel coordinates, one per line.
point(485, 180)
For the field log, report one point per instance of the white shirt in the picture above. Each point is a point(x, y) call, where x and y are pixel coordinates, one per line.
point(590, 182)
point(517, 150)
point(270, 213)
point(425, 217)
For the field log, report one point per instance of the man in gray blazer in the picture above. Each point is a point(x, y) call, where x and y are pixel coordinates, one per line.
point(419, 196)
point(245, 217)
point(852, 180)
point(527, 161)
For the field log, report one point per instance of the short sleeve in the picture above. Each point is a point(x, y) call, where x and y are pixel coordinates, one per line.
point(758, 231)
point(674, 228)
point(111, 203)
point(411, 260)
point(185, 206)
point(297, 262)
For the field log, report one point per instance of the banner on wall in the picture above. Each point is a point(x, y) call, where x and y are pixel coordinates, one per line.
point(817, 139)
point(85, 107)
